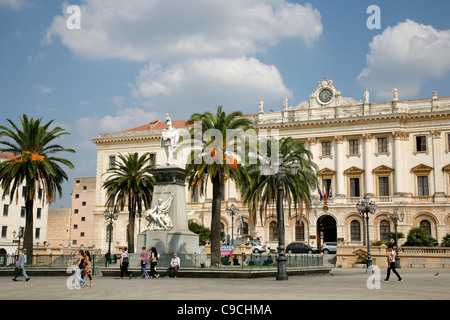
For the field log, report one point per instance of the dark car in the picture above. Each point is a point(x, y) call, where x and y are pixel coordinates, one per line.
point(298, 247)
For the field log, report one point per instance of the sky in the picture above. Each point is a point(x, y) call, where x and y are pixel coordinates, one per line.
point(98, 66)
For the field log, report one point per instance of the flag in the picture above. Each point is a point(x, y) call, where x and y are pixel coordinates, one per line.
point(320, 194)
point(330, 193)
point(325, 195)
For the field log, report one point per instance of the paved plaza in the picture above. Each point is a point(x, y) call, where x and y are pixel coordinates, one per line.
point(339, 284)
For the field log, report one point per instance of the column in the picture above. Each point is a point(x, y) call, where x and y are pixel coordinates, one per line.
point(437, 153)
point(398, 165)
point(339, 166)
point(368, 178)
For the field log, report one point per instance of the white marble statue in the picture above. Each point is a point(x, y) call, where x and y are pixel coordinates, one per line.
point(158, 217)
point(366, 96)
point(169, 140)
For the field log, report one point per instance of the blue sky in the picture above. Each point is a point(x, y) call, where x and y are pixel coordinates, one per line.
point(132, 61)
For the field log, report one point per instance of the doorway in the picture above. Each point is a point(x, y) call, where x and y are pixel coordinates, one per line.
point(326, 230)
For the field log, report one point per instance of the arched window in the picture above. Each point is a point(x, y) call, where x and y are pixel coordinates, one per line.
point(385, 228)
point(244, 229)
point(299, 231)
point(355, 230)
point(273, 231)
point(426, 225)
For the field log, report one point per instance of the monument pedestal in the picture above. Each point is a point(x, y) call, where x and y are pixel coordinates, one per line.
point(171, 180)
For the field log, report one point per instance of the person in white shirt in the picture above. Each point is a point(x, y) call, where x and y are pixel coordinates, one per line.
point(174, 264)
point(391, 264)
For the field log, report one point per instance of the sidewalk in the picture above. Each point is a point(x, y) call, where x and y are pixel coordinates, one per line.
point(339, 284)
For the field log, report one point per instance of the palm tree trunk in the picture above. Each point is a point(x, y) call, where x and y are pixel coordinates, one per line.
point(28, 232)
point(215, 219)
point(131, 223)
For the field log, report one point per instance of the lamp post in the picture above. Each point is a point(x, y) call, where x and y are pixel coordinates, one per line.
point(365, 207)
point(18, 235)
point(231, 210)
point(112, 214)
point(396, 217)
point(279, 170)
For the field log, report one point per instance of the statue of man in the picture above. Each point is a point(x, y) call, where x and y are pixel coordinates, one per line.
point(261, 106)
point(366, 96)
point(169, 140)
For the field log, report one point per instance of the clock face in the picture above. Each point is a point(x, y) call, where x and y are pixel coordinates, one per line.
point(325, 95)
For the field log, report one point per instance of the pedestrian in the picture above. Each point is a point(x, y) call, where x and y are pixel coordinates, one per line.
point(79, 270)
point(144, 258)
point(391, 264)
point(124, 260)
point(88, 267)
point(174, 264)
point(20, 265)
point(154, 257)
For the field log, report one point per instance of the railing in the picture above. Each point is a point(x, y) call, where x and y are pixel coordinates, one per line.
point(236, 261)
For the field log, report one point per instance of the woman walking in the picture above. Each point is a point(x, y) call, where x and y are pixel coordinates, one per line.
point(88, 267)
point(144, 257)
point(154, 256)
point(124, 260)
point(79, 270)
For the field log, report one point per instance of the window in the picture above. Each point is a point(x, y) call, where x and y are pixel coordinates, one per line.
point(109, 232)
point(326, 186)
point(81, 234)
point(194, 193)
point(22, 212)
point(383, 183)
point(112, 162)
point(385, 228)
point(353, 147)
point(83, 218)
point(422, 182)
point(40, 194)
point(273, 231)
point(355, 231)
point(75, 227)
point(75, 211)
point(421, 143)
point(354, 187)
point(83, 203)
point(299, 231)
point(5, 210)
point(24, 192)
point(4, 231)
point(37, 233)
point(152, 159)
point(84, 187)
point(426, 225)
point(38, 213)
point(326, 149)
point(382, 145)
point(77, 196)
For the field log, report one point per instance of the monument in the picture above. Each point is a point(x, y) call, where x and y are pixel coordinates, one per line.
point(167, 228)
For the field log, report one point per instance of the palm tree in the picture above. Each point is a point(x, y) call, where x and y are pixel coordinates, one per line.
point(262, 189)
point(216, 161)
point(130, 184)
point(33, 166)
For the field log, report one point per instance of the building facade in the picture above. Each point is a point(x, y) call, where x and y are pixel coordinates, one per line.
point(396, 152)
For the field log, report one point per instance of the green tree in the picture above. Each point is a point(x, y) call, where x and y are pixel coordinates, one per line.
point(214, 159)
point(130, 184)
point(262, 190)
point(446, 241)
point(204, 234)
point(35, 166)
point(418, 237)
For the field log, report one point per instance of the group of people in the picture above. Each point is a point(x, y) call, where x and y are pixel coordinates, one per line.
point(82, 269)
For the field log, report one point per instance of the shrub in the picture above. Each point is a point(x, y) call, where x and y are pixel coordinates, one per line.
point(418, 237)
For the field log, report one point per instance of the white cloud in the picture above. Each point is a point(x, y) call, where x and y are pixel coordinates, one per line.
point(208, 83)
point(407, 56)
point(15, 4)
point(119, 100)
point(39, 56)
point(167, 31)
point(45, 90)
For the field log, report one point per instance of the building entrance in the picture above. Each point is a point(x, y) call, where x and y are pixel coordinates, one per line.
point(326, 230)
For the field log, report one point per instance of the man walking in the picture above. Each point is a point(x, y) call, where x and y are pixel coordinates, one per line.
point(20, 265)
point(391, 264)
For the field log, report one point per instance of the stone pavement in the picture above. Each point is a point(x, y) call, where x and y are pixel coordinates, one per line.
point(340, 284)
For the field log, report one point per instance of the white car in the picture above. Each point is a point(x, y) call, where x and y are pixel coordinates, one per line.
point(258, 248)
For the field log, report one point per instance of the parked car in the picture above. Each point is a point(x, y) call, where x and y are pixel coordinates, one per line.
point(298, 247)
point(329, 247)
point(258, 248)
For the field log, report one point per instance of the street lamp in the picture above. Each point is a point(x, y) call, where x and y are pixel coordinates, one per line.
point(365, 207)
point(112, 214)
point(232, 211)
point(396, 217)
point(19, 236)
point(279, 170)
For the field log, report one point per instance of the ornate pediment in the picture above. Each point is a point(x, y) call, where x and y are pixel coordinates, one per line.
point(382, 170)
point(326, 172)
point(422, 169)
point(354, 171)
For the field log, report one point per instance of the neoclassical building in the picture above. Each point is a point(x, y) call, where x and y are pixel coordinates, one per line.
point(397, 152)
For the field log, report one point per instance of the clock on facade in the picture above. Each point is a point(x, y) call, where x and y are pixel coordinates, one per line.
point(325, 95)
